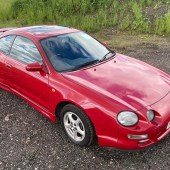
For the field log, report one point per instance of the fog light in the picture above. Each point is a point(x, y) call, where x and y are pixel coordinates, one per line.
point(145, 136)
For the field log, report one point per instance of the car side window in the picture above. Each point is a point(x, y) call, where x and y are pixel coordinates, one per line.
point(24, 50)
point(5, 44)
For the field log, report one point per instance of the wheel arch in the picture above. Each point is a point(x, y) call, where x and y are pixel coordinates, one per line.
point(61, 104)
point(59, 107)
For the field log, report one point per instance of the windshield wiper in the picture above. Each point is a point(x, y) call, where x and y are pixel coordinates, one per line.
point(105, 56)
point(91, 62)
point(86, 64)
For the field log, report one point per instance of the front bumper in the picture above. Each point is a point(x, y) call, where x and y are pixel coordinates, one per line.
point(155, 130)
point(154, 134)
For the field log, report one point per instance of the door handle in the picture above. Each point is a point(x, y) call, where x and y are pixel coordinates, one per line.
point(8, 65)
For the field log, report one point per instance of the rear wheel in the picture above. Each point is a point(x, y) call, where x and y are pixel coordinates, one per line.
point(77, 125)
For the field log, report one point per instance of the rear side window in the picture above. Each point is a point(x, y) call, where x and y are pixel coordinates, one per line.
point(5, 44)
point(24, 50)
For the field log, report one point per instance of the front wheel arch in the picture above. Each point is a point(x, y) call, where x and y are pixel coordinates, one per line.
point(59, 108)
point(62, 104)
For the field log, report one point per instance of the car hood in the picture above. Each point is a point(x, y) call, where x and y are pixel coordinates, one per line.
point(124, 79)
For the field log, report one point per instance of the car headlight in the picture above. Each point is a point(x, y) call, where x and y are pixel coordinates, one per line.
point(150, 115)
point(127, 118)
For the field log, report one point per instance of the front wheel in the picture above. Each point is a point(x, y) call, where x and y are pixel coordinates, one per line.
point(77, 125)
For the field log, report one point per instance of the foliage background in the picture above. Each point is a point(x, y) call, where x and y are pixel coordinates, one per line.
point(144, 16)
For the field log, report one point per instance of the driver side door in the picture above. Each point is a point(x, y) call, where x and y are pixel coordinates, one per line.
point(33, 86)
point(5, 46)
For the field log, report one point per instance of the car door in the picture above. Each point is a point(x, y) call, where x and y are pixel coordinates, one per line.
point(5, 46)
point(2, 65)
point(31, 85)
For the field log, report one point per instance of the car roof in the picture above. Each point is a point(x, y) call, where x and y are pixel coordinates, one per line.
point(2, 30)
point(5, 29)
point(42, 31)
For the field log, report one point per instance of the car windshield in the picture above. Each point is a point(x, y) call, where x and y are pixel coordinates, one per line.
point(70, 52)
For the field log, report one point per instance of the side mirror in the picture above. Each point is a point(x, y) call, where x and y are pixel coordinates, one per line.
point(34, 67)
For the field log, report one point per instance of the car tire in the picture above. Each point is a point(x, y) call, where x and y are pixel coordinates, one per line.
point(77, 125)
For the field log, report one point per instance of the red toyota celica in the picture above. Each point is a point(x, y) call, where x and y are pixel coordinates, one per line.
point(94, 92)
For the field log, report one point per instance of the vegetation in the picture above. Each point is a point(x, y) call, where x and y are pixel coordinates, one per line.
point(144, 16)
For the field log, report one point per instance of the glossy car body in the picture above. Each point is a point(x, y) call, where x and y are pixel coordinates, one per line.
point(2, 30)
point(102, 91)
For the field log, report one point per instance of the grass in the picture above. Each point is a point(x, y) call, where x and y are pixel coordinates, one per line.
point(5, 8)
point(89, 15)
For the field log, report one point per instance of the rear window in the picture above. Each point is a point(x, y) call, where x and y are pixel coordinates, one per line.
point(5, 44)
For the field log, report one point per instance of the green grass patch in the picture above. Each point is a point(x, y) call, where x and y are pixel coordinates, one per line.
point(90, 15)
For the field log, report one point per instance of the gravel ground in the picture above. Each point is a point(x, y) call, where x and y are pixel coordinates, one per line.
point(30, 141)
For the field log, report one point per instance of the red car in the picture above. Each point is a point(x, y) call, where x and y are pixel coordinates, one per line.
point(94, 92)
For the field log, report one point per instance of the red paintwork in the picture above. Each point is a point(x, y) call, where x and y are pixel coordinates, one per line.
point(102, 91)
point(2, 30)
point(35, 67)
